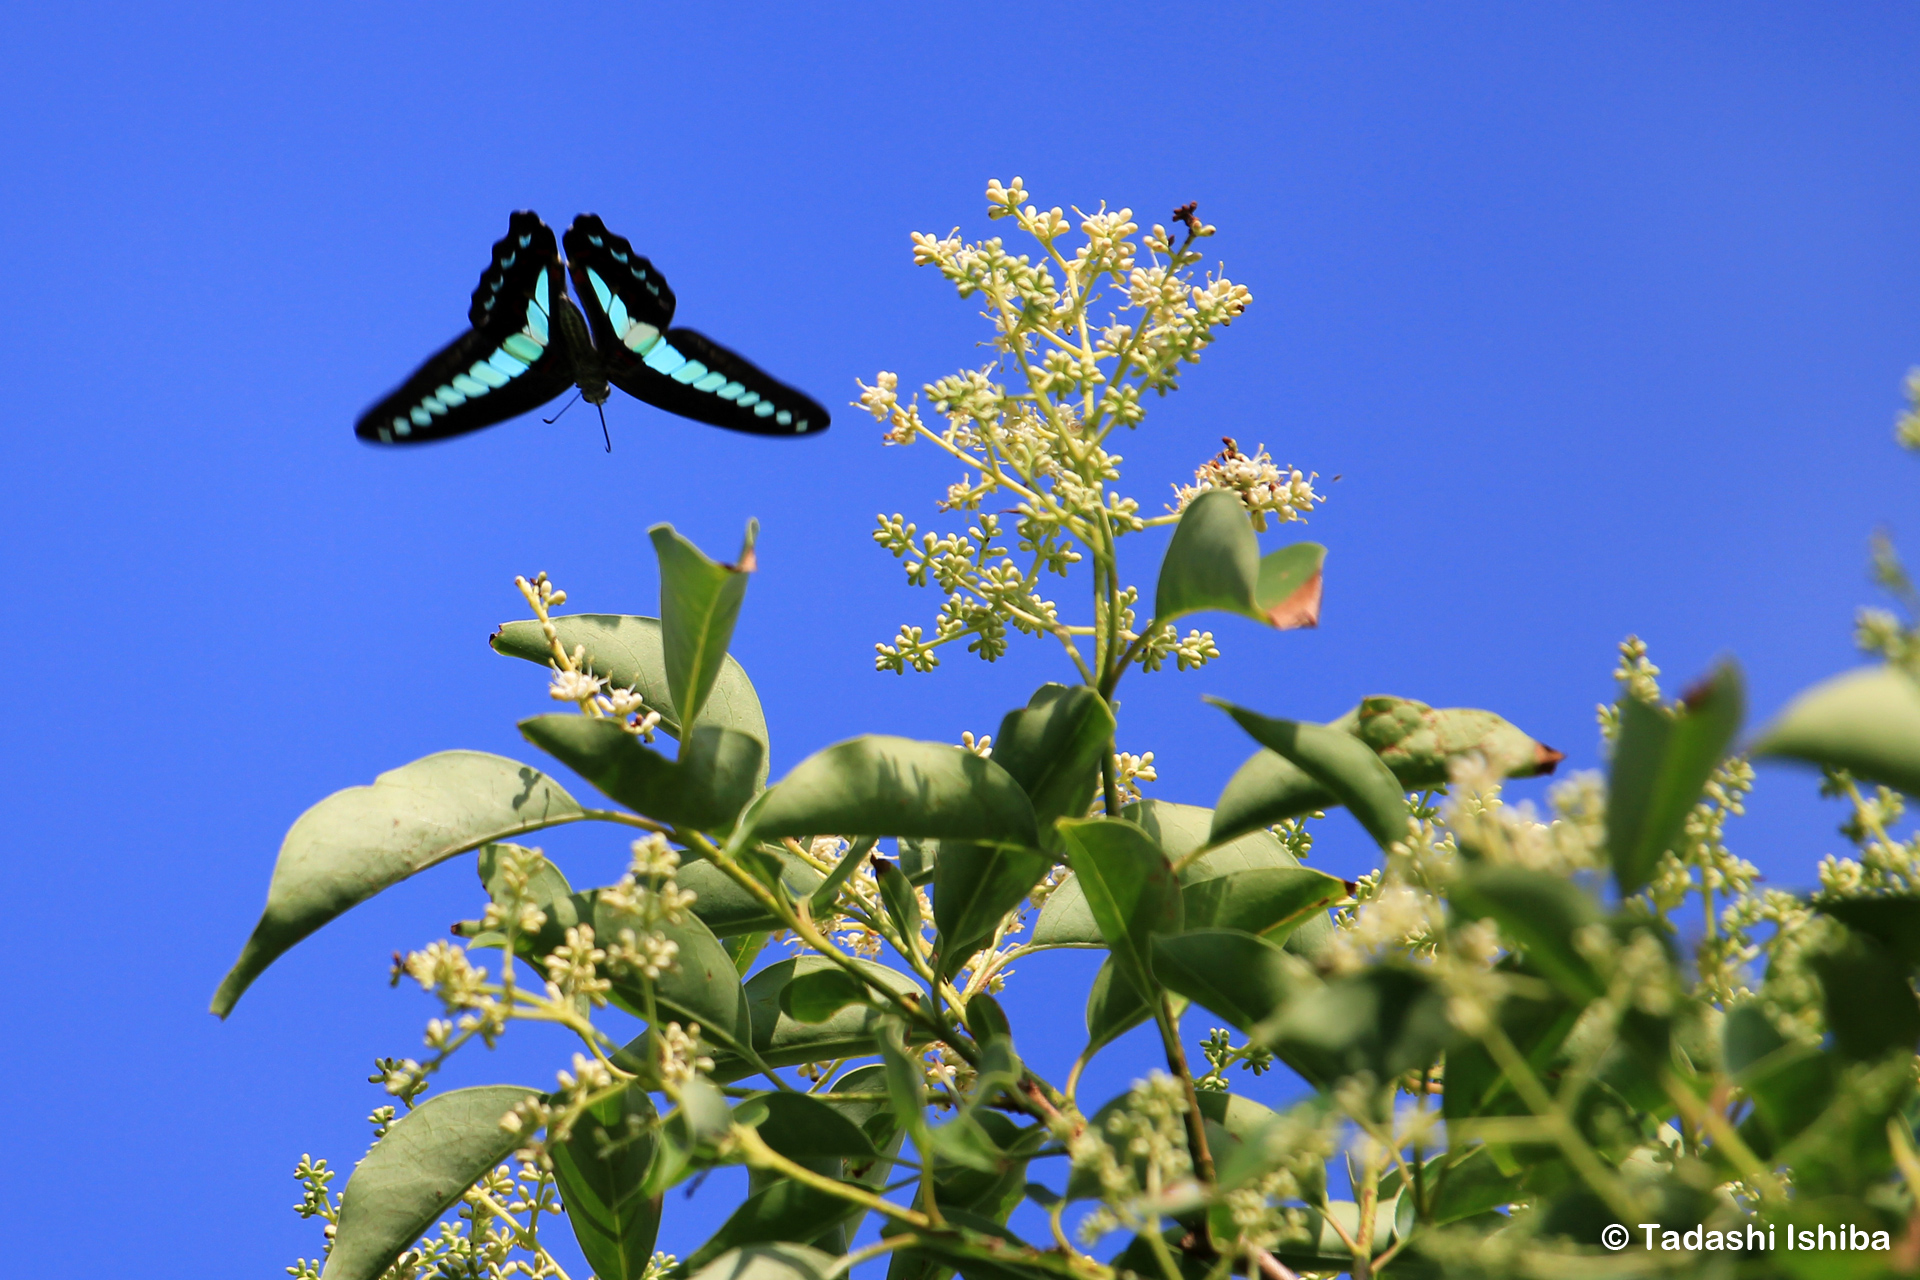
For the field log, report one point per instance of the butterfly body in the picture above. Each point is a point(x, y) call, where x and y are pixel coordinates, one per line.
point(529, 343)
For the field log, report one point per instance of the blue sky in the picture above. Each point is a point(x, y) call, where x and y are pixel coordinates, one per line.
point(1600, 312)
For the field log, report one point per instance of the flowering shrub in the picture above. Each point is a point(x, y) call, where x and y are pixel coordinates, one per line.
point(1524, 1033)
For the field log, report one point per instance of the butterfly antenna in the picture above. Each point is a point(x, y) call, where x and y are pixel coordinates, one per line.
point(563, 408)
point(603, 426)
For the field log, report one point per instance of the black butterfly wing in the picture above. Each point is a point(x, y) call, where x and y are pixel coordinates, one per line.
point(629, 308)
point(507, 364)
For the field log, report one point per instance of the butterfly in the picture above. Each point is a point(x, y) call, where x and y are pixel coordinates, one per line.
point(529, 342)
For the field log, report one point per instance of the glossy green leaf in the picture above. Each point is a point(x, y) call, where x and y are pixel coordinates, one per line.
point(781, 1040)
point(817, 996)
point(1129, 887)
point(702, 986)
point(1286, 594)
point(801, 1127)
point(705, 789)
point(1384, 1021)
point(786, 1213)
point(1418, 743)
point(359, 841)
point(1338, 761)
point(905, 1076)
point(880, 786)
point(691, 1136)
point(1243, 978)
point(547, 883)
point(1251, 883)
point(699, 603)
point(1892, 921)
point(628, 653)
point(1214, 562)
point(601, 1170)
point(986, 1020)
point(1868, 998)
point(823, 897)
point(1114, 1007)
point(1866, 721)
point(974, 886)
point(1536, 1020)
point(898, 897)
point(1269, 901)
point(727, 908)
point(1540, 911)
point(768, 1262)
point(1053, 748)
point(417, 1172)
point(1661, 763)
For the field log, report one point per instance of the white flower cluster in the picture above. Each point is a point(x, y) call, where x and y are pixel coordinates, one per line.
point(1043, 441)
point(1265, 489)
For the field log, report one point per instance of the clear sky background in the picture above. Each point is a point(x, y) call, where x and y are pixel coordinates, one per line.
point(1601, 312)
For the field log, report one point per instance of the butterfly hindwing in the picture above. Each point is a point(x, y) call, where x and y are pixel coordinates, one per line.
point(629, 307)
point(509, 362)
point(688, 373)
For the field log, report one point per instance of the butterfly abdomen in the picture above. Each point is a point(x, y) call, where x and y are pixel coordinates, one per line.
point(588, 373)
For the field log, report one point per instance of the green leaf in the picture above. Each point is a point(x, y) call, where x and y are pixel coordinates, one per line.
point(1114, 1007)
point(547, 883)
point(629, 654)
point(1129, 886)
point(974, 886)
point(1385, 1021)
point(1242, 978)
point(417, 1172)
point(1661, 763)
point(1536, 1020)
point(728, 909)
point(823, 897)
point(800, 1127)
point(817, 996)
point(1418, 743)
point(601, 1171)
point(768, 1262)
point(1540, 911)
point(786, 1214)
point(1892, 921)
point(1214, 562)
point(699, 603)
point(781, 1040)
point(986, 1020)
point(1053, 748)
point(1269, 902)
point(1868, 997)
point(1286, 595)
point(706, 788)
point(905, 1076)
point(1338, 761)
point(701, 987)
point(1251, 883)
point(1866, 721)
point(359, 841)
point(898, 897)
point(885, 786)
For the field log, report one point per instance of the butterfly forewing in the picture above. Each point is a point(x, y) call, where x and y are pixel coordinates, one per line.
point(630, 307)
point(509, 362)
